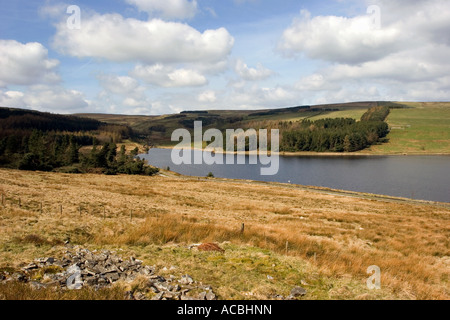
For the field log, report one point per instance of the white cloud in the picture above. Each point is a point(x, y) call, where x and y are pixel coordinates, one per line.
point(45, 98)
point(166, 76)
point(159, 108)
point(12, 99)
point(26, 64)
point(208, 96)
point(122, 94)
point(56, 99)
point(339, 39)
point(255, 97)
point(117, 39)
point(53, 11)
point(177, 9)
point(421, 64)
point(133, 103)
point(316, 82)
point(213, 68)
point(406, 59)
point(252, 74)
point(121, 85)
point(350, 94)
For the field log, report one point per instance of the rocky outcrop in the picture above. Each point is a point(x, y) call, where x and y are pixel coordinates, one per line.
point(83, 268)
point(297, 292)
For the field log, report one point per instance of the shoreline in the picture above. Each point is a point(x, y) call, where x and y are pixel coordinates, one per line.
point(320, 154)
point(326, 190)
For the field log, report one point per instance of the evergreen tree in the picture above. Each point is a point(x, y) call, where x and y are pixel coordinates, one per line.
point(74, 156)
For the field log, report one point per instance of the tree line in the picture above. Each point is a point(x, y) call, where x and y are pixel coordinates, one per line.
point(337, 135)
point(47, 151)
point(112, 162)
point(31, 140)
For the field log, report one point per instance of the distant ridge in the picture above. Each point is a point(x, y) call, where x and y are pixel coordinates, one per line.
point(24, 119)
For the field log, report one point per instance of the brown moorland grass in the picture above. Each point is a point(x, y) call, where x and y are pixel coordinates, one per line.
point(337, 235)
point(23, 291)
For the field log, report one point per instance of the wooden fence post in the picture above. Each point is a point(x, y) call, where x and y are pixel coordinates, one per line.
point(242, 228)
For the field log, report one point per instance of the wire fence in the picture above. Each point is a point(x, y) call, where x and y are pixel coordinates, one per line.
point(83, 208)
point(102, 211)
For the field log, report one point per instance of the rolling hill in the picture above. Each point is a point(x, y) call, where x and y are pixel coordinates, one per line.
point(416, 127)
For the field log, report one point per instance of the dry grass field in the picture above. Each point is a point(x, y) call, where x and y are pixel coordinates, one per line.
point(323, 240)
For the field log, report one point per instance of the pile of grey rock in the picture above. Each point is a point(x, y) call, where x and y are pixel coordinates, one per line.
point(83, 268)
point(296, 293)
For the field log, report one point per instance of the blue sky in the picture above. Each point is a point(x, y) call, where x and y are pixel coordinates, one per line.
point(166, 56)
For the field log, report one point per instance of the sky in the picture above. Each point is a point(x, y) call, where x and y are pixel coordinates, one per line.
point(152, 57)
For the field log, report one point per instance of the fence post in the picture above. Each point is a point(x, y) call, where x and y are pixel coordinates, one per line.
point(242, 228)
point(287, 245)
point(60, 209)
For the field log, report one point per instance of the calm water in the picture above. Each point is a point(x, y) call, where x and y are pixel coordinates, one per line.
point(417, 177)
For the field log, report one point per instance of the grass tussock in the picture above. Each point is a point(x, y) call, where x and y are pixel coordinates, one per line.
point(15, 290)
point(37, 240)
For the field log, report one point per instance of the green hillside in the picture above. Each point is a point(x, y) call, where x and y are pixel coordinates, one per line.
point(422, 128)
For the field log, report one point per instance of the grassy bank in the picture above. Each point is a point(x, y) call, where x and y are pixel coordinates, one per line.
point(293, 235)
point(424, 128)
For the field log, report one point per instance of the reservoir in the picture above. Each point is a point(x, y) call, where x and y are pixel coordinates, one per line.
point(415, 177)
